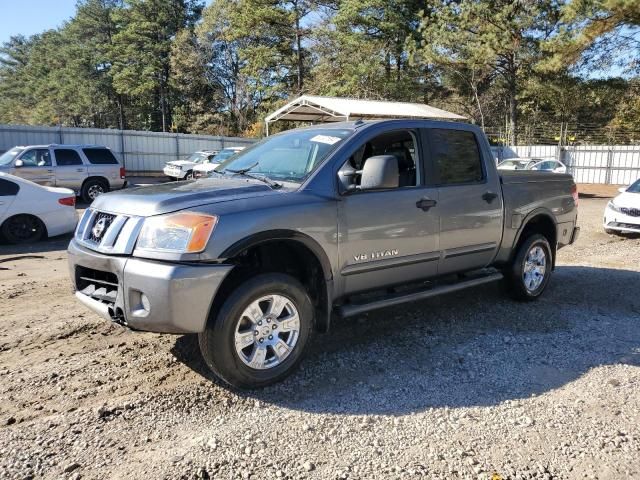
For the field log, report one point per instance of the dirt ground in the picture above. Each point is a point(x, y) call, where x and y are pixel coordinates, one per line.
point(457, 387)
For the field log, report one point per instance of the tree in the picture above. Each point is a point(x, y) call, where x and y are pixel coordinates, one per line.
point(141, 50)
point(499, 38)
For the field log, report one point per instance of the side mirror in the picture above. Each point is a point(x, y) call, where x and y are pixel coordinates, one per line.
point(380, 171)
point(18, 163)
point(622, 189)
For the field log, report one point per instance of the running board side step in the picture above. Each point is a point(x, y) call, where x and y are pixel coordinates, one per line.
point(349, 310)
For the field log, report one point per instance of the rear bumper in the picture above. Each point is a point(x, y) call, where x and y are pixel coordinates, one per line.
point(145, 294)
point(574, 235)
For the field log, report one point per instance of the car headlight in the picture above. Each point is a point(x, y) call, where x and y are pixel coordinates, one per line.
point(176, 232)
point(613, 206)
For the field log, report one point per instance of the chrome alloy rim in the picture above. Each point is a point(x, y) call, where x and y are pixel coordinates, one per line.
point(535, 267)
point(267, 332)
point(94, 191)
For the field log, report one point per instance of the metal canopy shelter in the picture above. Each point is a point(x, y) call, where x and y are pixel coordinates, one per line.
point(310, 108)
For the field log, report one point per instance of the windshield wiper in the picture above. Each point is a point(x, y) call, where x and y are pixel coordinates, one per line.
point(264, 179)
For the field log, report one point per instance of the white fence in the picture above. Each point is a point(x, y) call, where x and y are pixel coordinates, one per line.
point(142, 153)
point(607, 164)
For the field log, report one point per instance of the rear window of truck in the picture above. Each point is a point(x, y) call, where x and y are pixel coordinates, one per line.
point(100, 156)
point(456, 156)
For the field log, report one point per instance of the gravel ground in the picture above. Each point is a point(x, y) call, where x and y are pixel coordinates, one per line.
point(470, 385)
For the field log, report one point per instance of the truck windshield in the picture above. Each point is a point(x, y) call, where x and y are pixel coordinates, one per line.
point(289, 156)
point(7, 157)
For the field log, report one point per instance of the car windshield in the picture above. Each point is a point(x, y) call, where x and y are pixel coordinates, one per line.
point(289, 156)
point(197, 157)
point(7, 157)
point(634, 187)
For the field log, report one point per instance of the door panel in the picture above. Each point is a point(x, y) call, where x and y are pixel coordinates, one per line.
point(384, 238)
point(470, 227)
point(37, 166)
point(469, 200)
point(70, 172)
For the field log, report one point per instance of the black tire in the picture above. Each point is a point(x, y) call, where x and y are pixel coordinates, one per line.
point(92, 188)
point(22, 228)
point(217, 342)
point(189, 175)
point(611, 232)
point(515, 274)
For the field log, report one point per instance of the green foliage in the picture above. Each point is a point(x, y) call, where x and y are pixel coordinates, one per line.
point(519, 68)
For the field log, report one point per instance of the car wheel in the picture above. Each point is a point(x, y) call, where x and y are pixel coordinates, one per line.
point(92, 189)
point(189, 175)
point(530, 271)
point(22, 229)
point(259, 334)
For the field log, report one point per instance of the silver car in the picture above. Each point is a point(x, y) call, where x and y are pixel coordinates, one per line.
point(89, 170)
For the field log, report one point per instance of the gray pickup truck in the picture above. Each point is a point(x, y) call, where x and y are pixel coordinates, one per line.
point(312, 223)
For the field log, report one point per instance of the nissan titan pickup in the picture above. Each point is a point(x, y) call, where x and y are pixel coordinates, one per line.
point(292, 231)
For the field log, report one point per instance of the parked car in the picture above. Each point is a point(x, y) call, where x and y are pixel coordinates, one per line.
point(296, 227)
point(622, 214)
point(205, 168)
point(183, 169)
point(29, 212)
point(547, 165)
point(89, 170)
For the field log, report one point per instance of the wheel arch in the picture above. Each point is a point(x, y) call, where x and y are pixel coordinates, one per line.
point(286, 251)
point(539, 221)
point(100, 178)
point(45, 234)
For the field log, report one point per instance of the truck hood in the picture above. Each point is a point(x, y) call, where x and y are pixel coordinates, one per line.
point(170, 197)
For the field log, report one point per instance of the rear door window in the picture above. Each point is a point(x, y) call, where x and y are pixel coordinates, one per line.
point(8, 188)
point(66, 157)
point(100, 156)
point(455, 155)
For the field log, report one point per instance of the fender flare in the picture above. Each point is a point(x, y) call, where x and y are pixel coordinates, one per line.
point(323, 319)
point(540, 211)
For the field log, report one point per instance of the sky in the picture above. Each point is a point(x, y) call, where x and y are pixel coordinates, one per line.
point(27, 17)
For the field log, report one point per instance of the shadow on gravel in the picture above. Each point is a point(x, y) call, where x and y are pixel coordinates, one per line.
point(48, 245)
point(474, 348)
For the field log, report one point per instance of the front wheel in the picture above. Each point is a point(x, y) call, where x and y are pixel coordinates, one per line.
point(529, 274)
point(258, 336)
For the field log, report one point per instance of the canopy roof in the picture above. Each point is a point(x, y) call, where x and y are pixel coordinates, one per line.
point(334, 109)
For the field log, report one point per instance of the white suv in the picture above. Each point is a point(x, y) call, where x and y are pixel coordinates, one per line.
point(88, 170)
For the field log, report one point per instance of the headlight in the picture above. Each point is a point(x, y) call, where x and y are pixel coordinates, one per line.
point(613, 206)
point(177, 232)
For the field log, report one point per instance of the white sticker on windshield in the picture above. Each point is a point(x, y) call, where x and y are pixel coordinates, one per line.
point(326, 139)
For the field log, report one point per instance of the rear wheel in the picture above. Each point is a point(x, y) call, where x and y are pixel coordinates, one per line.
point(530, 271)
point(92, 189)
point(22, 229)
point(259, 335)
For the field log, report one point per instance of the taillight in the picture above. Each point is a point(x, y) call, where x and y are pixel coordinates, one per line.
point(574, 194)
point(122, 172)
point(68, 201)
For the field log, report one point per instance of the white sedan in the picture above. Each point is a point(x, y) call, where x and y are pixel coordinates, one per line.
point(622, 214)
point(205, 168)
point(29, 212)
point(546, 165)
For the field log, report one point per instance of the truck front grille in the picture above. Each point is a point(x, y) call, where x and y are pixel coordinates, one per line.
point(107, 232)
point(99, 285)
point(98, 228)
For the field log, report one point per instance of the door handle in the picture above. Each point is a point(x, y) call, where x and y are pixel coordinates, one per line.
point(489, 196)
point(49, 171)
point(426, 203)
point(79, 170)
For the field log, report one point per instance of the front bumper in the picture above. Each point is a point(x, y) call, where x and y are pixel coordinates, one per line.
point(145, 294)
point(620, 222)
point(173, 172)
